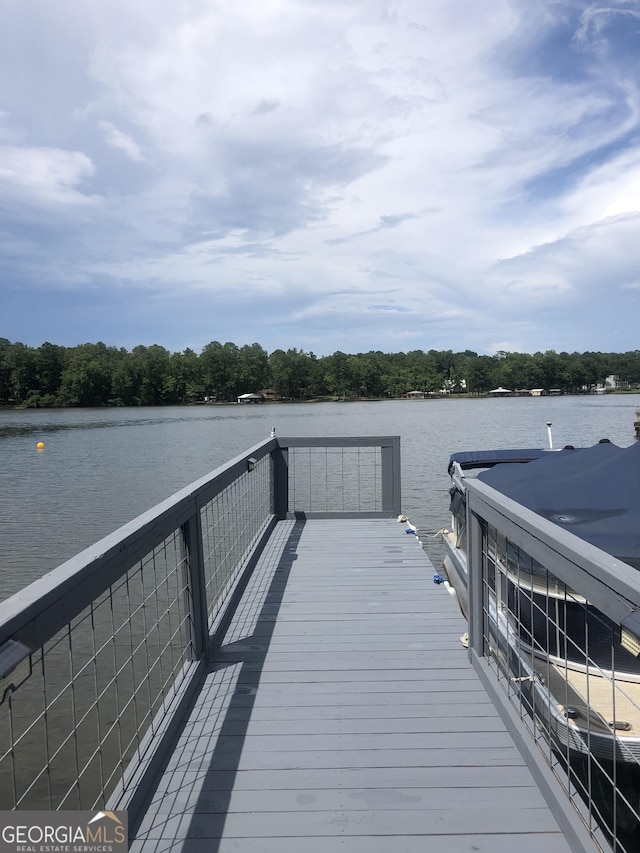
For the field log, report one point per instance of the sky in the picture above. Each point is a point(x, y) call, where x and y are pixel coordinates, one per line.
point(329, 175)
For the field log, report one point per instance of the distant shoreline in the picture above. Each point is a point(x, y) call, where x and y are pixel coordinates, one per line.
point(428, 398)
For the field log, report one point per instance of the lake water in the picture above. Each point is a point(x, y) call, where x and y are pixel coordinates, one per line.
point(101, 468)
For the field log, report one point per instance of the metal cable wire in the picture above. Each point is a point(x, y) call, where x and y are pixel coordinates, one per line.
point(104, 681)
point(559, 661)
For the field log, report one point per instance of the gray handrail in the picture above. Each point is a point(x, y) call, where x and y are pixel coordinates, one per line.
point(612, 586)
point(515, 665)
point(171, 576)
point(35, 613)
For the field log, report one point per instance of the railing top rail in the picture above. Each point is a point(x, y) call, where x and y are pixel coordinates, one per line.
point(65, 591)
point(611, 585)
point(36, 612)
point(339, 441)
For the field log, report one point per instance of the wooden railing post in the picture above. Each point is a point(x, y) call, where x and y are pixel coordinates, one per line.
point(475, 580)
point(196, 594)
point(391, 479)
point(280, 456)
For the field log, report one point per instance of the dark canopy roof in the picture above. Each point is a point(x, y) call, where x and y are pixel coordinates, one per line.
point(487, 458)
point(593, 492)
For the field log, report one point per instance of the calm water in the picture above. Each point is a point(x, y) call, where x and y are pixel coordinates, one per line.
point(100, 468)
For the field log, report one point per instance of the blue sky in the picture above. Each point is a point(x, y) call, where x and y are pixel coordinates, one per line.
point(325, 174)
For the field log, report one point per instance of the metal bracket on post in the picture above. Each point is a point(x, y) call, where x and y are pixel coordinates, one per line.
point(15, 667)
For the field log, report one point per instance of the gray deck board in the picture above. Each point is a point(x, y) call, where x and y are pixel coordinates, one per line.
point(342, 714)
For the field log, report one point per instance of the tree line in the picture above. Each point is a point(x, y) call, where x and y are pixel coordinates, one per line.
point(100, 375)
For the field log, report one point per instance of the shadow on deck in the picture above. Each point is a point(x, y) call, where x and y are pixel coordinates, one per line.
point(342, 713)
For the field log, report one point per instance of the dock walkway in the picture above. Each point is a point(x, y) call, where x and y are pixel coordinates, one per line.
point(342, 713)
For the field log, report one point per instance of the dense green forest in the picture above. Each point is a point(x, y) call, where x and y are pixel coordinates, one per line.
point(100, 375)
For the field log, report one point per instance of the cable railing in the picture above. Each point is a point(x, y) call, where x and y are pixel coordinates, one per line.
point(99, 659)
point(553, 625)
point(359, 476)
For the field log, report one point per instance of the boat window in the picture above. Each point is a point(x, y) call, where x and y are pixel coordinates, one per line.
point(458, 509)
point(491, 542)
point(461, 535)
point(525, 567)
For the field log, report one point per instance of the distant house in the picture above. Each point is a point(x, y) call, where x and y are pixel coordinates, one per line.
point(537, 392)
point(614, 383)
point(251, 398)
point(415, 395)
point(501, 392)
point(449, 386)
point(268, 393)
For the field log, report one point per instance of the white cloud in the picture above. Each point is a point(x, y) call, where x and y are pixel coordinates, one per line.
point(465, 160)
point(594, 21)
point(47, 176)
point(591, 264)
point(121, 141)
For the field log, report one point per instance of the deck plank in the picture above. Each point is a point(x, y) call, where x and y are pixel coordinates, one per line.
point(342, 714)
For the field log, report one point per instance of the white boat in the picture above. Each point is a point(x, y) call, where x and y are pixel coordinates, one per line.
point(562, 658)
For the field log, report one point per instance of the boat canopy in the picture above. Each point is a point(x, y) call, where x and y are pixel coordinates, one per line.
point(469, 459)
point(593, 492)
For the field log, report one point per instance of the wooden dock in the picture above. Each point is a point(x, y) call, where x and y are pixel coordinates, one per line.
point(342, 713)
